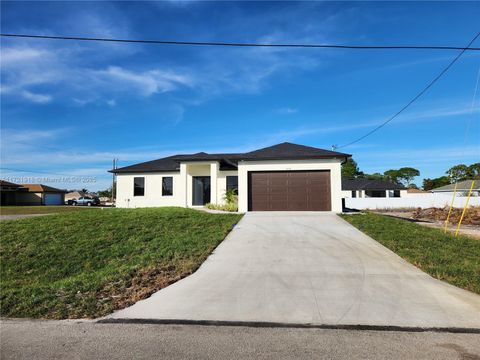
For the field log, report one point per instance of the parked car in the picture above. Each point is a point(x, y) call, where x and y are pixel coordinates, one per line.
point(86, 201)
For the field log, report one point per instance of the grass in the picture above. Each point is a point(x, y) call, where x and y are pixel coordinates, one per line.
point(443, 256)
point(24, 210)
point(89, 263)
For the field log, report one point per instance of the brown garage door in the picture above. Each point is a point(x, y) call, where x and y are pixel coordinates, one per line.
point(289, 191)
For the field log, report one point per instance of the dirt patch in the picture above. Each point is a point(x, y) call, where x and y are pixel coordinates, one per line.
point(435, 217)
point(140, 285)
point(472, 215)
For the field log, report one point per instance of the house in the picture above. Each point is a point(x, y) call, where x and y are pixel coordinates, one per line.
point(74, 195)
point(38, 194)
point(30, 194)
point(286, 176)
point(366, 188)
point(417, 192)
point(463, 187)
point(8, 192)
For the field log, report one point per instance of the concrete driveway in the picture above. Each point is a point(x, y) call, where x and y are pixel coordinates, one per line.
point(308, 268)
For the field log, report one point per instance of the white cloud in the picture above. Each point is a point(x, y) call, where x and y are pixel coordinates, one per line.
point(422, 115)
point(148, 82)
point(15, 55)
point(83, 71)
point(111, 102)
point(438, 154)
point(31, 136)
point(36, 98)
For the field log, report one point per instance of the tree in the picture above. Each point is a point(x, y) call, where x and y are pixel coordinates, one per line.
point(350, 169)
point(392, 175)
point(105, 193)
point(85, 191)
point(429, 184)
point(375, 176)
point(473, 171)
point(458, 173)
point(108, 192)
point(407, 174)
point(412, 186)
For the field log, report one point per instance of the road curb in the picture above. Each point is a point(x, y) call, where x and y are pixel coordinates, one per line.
point(260, 324)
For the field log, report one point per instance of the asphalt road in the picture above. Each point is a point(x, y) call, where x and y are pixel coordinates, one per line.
point(88, 340)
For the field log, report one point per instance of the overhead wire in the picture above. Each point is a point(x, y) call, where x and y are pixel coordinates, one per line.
point(414, 99)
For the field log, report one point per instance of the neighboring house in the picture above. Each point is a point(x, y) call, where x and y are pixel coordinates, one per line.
point(30, 194)
point(8, 192)
point(367, 188)
point(417, 192)
point(38, 194)
point(74, 195)
point(281, 177)
point(463, 187)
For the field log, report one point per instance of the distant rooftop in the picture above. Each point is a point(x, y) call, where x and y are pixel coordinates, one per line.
point(416, 191)
point(370, 184)
point(461, 186)
point(40, 188)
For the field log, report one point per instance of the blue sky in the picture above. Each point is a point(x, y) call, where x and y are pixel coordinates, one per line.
point(69, 107)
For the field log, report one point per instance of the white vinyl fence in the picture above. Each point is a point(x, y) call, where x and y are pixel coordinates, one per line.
point(419, 201)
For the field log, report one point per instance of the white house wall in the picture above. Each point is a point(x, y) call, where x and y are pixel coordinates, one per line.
point(181, 188)
point(222, 184)
point(347, 194)
point(334, 165)
point(419, 201)
point(153, 190)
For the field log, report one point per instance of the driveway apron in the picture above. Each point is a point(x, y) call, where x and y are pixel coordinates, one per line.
point(308, 268)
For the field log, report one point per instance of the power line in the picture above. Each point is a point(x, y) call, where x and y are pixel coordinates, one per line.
point(414, 99)
point(42, 172)
point(469, 121)
point(231, 44)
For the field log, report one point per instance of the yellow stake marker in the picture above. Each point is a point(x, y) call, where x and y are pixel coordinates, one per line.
point(450, 210)
point(464, 208)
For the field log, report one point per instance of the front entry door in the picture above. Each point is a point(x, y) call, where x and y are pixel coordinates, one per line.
point(201, 190)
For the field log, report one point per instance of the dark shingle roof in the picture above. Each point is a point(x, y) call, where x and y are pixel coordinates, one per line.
point(164, 164)
point(370, 184)
point(41, 188)
point(229, 161)
point(9, 184)
point(291, 151)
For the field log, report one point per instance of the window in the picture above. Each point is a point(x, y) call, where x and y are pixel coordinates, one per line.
point(375, 193)
point(396, 193)
point(354, 193)
point(138, 186)
point(167, 186)
point(232, 183)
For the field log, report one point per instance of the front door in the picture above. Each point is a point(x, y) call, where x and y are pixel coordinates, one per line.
point(201, 190)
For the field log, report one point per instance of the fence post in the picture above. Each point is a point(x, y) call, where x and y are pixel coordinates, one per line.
point(450, 210)
point(464, 208)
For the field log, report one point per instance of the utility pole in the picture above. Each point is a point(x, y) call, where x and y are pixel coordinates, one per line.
point(113, 180)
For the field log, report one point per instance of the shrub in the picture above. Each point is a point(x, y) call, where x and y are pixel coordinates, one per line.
point(231, 202)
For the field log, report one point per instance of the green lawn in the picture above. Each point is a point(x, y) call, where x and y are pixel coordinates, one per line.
point(24, 210)
point(88, 263)
point(443, 256)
